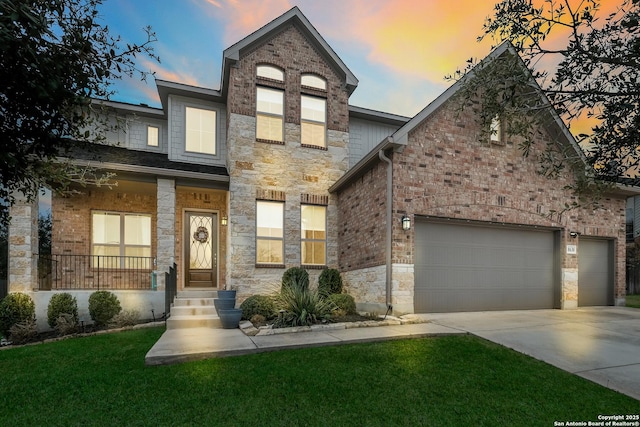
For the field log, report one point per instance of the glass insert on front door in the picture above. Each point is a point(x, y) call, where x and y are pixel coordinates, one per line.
point(201, 236)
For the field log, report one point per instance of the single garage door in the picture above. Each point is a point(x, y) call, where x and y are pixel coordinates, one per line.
point(595, 272)
point(461, 267)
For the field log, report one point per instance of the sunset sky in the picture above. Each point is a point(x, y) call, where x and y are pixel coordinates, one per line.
point(400, 50)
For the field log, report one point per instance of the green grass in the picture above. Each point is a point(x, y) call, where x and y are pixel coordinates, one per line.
point(455, 380)
point(633, 301)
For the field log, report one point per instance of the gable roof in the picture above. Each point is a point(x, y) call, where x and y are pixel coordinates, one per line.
point(400, 138)
point(293, 16)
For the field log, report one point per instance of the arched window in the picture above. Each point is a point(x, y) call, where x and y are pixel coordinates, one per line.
point(313, 81)
point(270, 72)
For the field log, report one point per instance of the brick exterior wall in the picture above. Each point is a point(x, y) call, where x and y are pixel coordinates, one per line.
point(71, 216)
point(362, 219)
point(290, 170)
point(447, 171)
point(293, 53)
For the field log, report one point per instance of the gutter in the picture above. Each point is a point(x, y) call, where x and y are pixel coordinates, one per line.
point(174, 173)
point(389, 242)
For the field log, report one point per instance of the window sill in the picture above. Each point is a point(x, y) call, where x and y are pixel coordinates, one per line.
point(270, 266)
point(314, 267)
point(269, 141)
point(317, 147)
point(266, 81)
point(313, 91)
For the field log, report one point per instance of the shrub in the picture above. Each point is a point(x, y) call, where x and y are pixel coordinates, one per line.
point(125, 318)
point(15, 308)
point(330, 282)
point(258, 304)
point(23, 331)
point(103, 305)
point(258, 320)
point(295, 277)
point(66, 324)
point(302, 307)
point(59, 304)
point(344, 303)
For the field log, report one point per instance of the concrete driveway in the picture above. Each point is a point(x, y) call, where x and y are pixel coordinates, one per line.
point(601, 344)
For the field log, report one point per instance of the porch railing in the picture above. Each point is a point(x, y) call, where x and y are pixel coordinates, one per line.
point(95, 272)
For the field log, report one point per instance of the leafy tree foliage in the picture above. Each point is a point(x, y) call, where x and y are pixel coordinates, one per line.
point(585, 61)
point(56, 58)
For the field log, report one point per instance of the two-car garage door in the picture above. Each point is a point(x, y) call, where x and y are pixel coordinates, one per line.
point(461, 267)
point(464, 267)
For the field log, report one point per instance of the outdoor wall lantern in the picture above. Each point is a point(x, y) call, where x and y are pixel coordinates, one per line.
point(574, 234)
point(223, 221)
point(406, 222)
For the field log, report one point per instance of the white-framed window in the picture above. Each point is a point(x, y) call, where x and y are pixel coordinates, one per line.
point(270, 72)
point(313, 119)
point(269, 114)
point(313, 81)
point(313, 229)
point(200, 127)
point(495, 130)
point(269, 232)
point(153, 136)
point(120, 240)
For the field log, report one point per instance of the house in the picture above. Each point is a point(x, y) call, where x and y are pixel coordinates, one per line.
point(275, 169)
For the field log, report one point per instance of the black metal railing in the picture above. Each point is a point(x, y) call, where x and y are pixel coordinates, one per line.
point(170, 288)
point(96, 272)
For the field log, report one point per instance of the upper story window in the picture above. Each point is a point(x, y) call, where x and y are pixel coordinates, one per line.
point(310, 80)
point(200, 130)
point(495, 129)
point(313, 120)
point(152, 136)
point(270, 72)
point(270, 114)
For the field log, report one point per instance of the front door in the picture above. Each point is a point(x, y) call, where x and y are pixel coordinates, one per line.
point(201, 245)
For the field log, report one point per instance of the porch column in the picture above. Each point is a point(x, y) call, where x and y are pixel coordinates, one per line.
point(23, 246)
point(166, 228)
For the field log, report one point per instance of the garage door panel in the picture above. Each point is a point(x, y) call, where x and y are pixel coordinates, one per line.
point(595, 272)
point(469, 268)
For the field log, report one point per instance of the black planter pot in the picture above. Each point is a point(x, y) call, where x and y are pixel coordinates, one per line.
point(224, 304)
point(230, 318)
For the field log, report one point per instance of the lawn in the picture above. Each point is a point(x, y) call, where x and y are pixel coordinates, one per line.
point(455, 380)
point(633, 301)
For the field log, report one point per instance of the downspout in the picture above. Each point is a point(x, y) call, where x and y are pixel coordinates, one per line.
point(389, 226)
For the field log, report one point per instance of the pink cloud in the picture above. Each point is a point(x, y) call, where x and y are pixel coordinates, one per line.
point(241, 18)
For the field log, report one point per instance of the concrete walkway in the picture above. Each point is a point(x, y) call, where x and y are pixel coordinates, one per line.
point(601, 344)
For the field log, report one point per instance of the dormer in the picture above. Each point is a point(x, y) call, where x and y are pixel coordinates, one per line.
point(196, 123)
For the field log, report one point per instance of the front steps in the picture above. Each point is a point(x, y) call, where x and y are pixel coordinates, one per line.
point(194, 309)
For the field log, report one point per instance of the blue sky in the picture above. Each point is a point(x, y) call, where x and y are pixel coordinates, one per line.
point(400, 50)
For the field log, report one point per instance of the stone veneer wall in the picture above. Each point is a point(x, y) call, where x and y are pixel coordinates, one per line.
point(288, 170)
point(166, 226)
point(23, 245)
point(291, 171)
